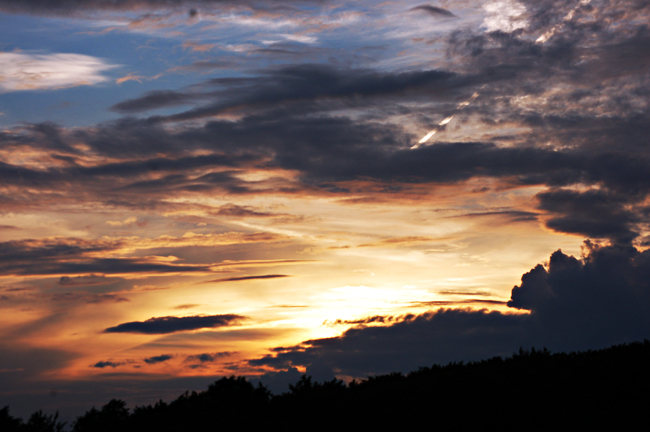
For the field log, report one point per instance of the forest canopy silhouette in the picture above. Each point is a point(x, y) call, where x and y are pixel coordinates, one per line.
point(535, 388)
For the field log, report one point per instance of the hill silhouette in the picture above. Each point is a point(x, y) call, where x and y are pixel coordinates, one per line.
point(530, 390)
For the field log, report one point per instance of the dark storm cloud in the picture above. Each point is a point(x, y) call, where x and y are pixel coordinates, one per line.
point(158, 359)
point(170, 324)
point(435, 11)
point(575, 304)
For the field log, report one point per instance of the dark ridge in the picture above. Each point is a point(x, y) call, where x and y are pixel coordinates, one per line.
point(531, 390)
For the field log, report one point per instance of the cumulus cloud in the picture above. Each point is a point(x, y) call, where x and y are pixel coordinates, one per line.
point(599, 300)
point(25, 71)
point(171, 324)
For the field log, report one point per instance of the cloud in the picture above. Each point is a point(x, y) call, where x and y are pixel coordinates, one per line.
point(88, 280)
point(377, 319)
point(339, 129)
point(436, 337)
point(504, 15)
point(186, 306)
point(129, 77)
point(171, 324)
point(245, 278)
point(127, 221)
point(290, 84)
point(199, 361)
point(105, 364)
point(241, 211)
point(158, 359)
point(593, 213)
point(193, 46)
point(435, 11)
point(69, 256)
point(599, 300)
point(90, 298)
point(339, 150)
point(23, 71)
point(71, 6)
point(205, 358)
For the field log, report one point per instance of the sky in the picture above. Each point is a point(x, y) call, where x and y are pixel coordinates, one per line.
point(197, 189)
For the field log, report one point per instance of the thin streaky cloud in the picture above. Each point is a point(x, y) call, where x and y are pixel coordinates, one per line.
point(23, 71)
point(171, 324)
point(245, 278)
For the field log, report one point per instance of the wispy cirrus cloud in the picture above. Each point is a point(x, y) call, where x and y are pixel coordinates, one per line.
point(30, 71)
point(69, 6)
point(73, 256)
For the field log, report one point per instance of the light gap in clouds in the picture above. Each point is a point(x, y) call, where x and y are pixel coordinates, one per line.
point(24, 71)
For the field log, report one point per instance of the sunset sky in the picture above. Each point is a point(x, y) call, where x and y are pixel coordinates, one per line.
point(193, 189)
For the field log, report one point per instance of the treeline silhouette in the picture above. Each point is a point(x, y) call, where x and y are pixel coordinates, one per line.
point(531, 390)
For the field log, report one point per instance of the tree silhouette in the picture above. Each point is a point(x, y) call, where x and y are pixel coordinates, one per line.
point(7, 422)
point(113, 417)
point(531, 390)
